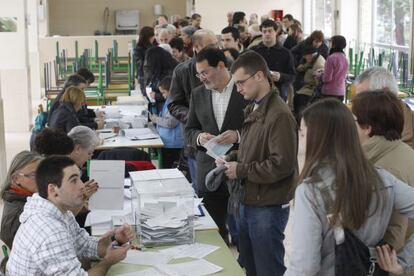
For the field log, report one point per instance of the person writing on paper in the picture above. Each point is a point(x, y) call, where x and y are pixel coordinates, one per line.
point(49, 241)
point(215, 109)
point(169, 128)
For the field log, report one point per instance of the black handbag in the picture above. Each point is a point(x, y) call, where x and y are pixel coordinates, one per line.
point(352, 256)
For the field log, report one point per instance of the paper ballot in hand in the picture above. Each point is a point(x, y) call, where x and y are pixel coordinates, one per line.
point(215, 149)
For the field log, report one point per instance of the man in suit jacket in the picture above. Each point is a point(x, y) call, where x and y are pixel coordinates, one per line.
point(216, 109)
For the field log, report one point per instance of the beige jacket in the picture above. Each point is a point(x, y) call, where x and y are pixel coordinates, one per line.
point(397, 158)
point(309, 81)
point(407, 134)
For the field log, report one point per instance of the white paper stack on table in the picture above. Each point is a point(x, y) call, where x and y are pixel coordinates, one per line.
point(165, 207)
point(160, 260)
point(193, 268)
point(111, 112)
point(109, 175)
point(216, 150)
point(139, 134)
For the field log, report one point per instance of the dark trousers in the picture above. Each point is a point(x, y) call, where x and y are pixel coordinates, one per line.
point(300, 102)
point(340, 98)
point(192, 166)
point(169, 157)
point(261, 239)
point(216, 204)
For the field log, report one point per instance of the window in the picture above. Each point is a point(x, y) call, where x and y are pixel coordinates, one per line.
point(318, 15)
point(385, 23)
point(392, 24)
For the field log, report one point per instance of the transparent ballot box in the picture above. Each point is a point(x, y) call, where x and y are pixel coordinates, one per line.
point(162, 207)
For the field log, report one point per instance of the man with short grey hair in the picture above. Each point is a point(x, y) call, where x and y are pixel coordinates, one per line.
point(379, 78)
point(376, 78)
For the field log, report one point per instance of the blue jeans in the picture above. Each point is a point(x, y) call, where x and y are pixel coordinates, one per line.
point(261, 239)
point(192, 166)
point(233, 229)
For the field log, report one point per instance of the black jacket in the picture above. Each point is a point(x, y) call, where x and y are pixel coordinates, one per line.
point(139, 59)
point(290, 42)
point(86, 116)
point(13, 207)
point(297, 51)
point(64, 118)
point(279, 59)
point(183, 81)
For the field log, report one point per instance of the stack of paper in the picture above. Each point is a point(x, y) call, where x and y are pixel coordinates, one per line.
point(146, 258)
point(139, 134)
point(165, 207)
point(111, 112)
point(195, 250)
point(109, 174)
point(216, 150)
point(165, 181)
point(166, 222)
point(194, 268)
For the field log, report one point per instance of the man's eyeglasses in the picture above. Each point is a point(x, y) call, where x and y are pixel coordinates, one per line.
point(241, 82)
point(202, 75)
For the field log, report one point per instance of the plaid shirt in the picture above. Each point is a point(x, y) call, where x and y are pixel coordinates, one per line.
point(49, 242)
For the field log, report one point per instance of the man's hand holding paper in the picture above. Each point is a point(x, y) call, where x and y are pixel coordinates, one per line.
point(228, 137)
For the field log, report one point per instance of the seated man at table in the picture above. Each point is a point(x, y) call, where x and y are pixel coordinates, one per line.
point(49, 241)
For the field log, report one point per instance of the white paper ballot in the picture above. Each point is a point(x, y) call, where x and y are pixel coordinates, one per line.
point(139, 134)
point(110, 177)
point(146, 258)
point(146, 272)
point(196, 250)
point(216, 150)
point(156, 174)
point(194, 268)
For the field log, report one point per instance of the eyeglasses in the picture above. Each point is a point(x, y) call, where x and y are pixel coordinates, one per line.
point(30, 175)
point(202, 75)
point(241, 82)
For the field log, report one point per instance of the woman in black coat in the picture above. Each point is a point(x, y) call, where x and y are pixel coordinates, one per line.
point(159, 63)
point(145, 41)
point(65, 116)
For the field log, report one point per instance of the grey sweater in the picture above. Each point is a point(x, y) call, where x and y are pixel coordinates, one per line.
point(313, 244)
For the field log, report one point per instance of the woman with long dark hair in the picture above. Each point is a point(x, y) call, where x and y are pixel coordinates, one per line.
point(341, 191)
point(158, 64)
point(145, 41)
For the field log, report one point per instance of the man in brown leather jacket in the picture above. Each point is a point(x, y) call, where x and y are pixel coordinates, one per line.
point(266, 164)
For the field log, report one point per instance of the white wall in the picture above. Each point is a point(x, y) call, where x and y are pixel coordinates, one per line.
point(347, 26)
point(3, 166)
point(33, 40)
point(214, 12)
point(14, 69)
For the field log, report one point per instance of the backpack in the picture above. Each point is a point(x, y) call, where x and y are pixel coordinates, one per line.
point(39, 125)
point(352, 256)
